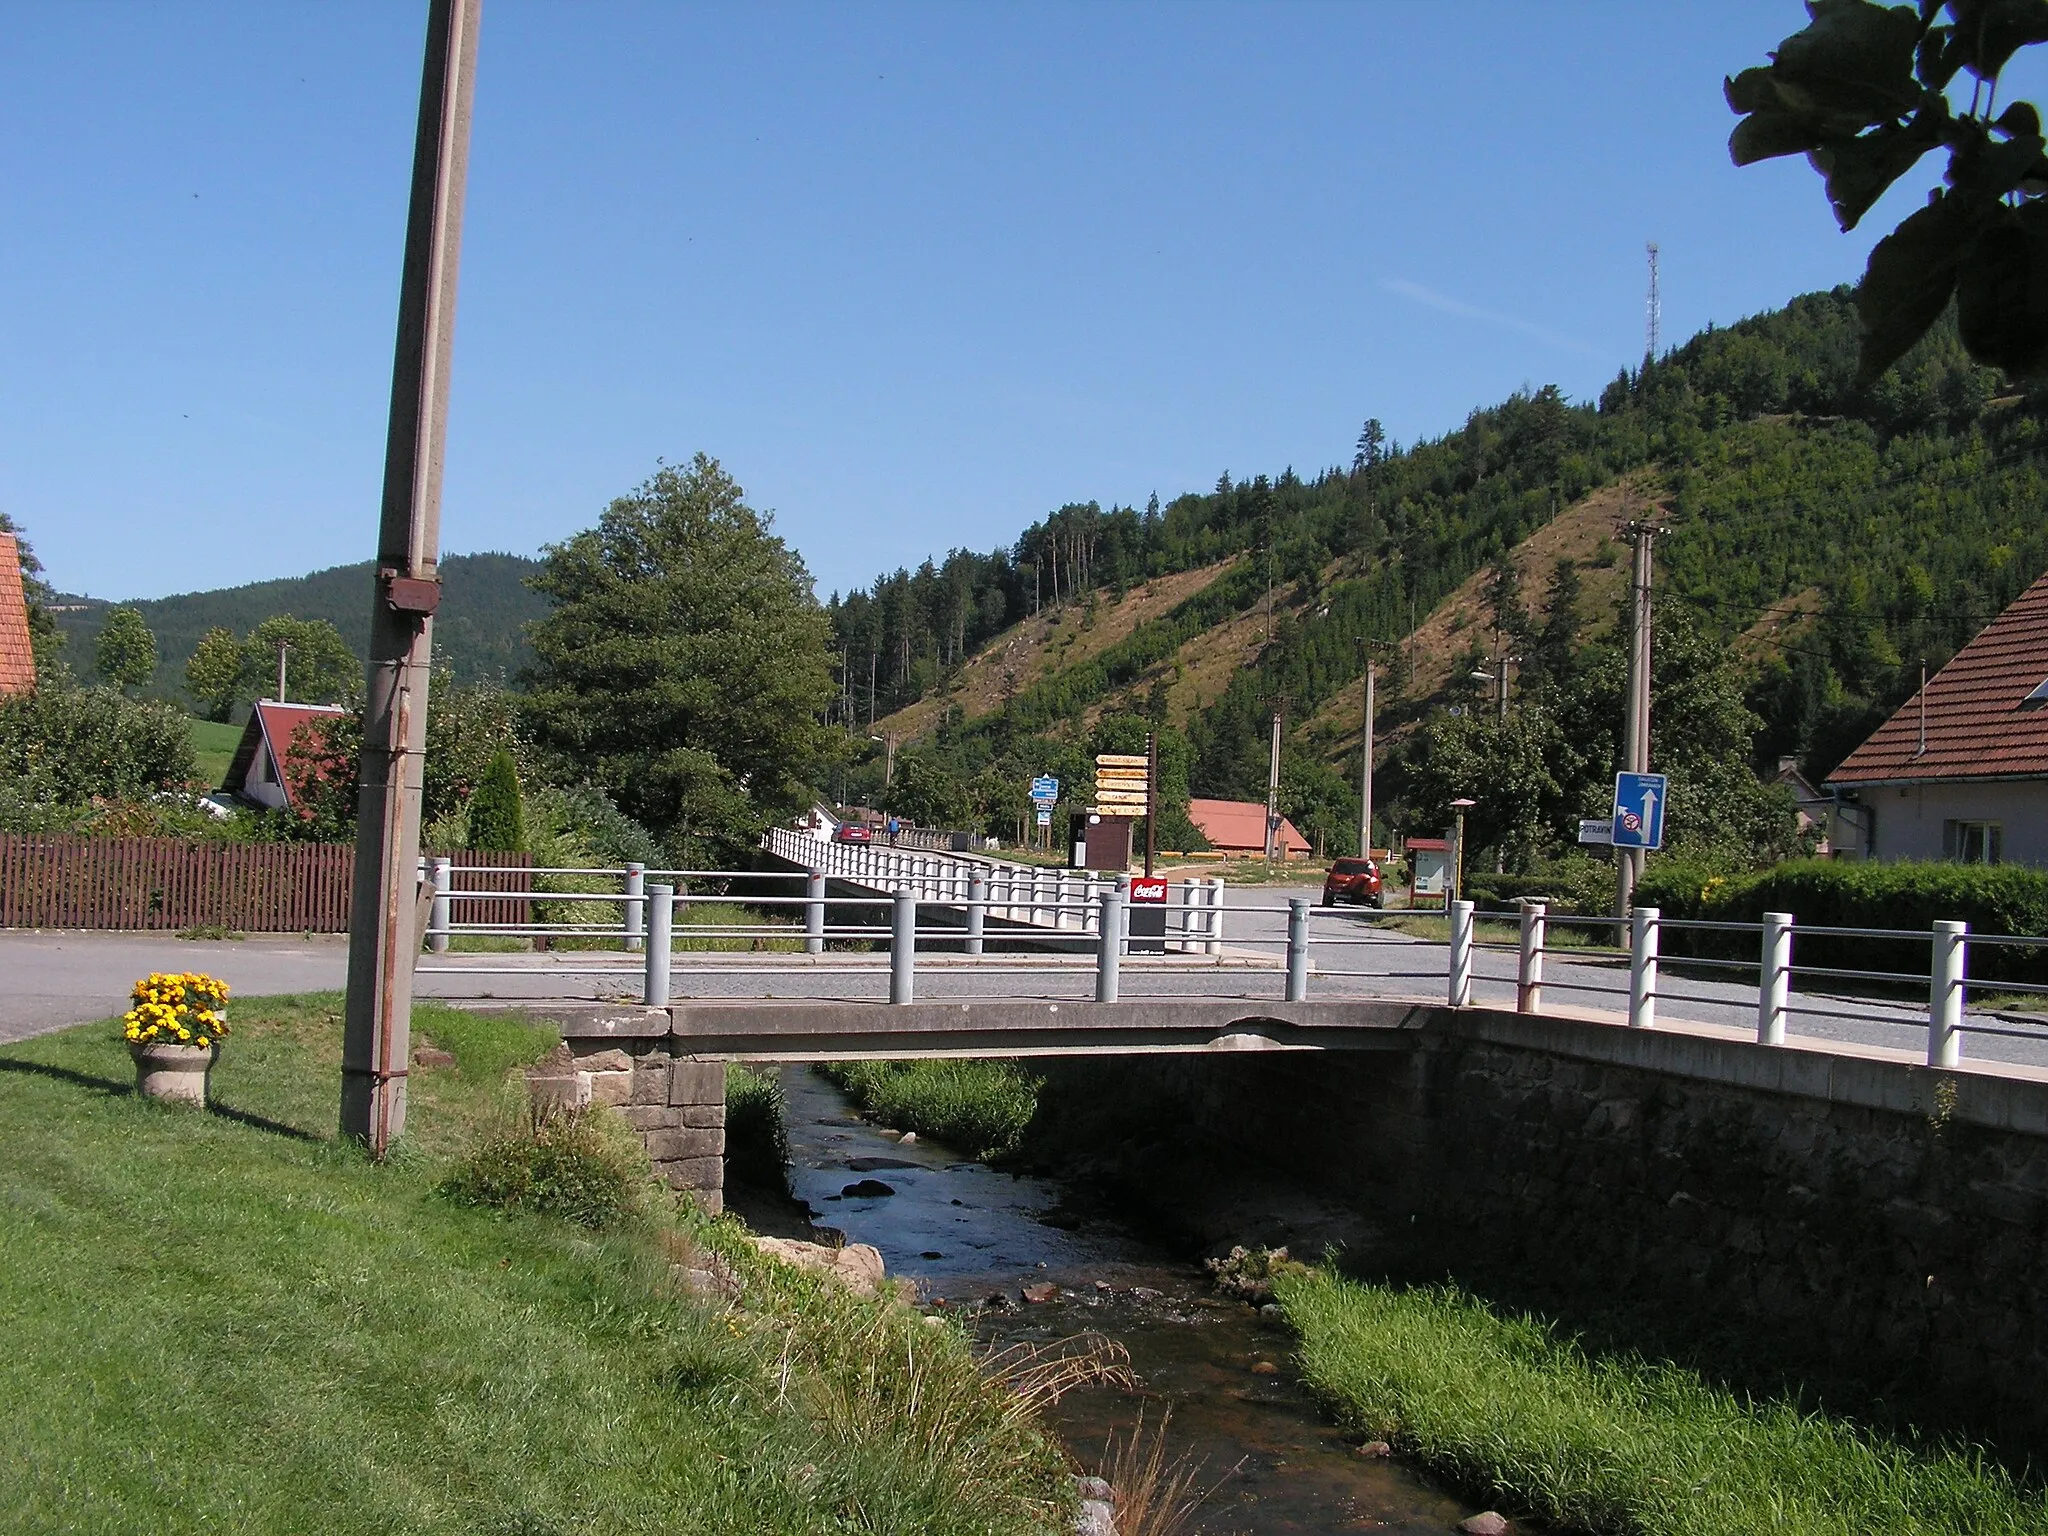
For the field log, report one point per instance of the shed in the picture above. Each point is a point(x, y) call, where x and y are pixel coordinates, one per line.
point(259, 772)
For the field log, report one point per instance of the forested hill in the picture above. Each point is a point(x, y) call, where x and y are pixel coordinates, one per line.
point(1830, 536)
point(479, 630)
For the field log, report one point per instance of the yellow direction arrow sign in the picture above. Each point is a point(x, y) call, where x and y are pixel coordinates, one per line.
point(1122, 760)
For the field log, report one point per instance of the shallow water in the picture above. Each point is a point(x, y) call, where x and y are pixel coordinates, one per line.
point(972, 1238)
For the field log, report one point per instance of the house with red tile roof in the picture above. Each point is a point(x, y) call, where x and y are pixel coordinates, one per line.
point(261, 770)
point(1961, 772)
point(1239, 826)
point(17, 654)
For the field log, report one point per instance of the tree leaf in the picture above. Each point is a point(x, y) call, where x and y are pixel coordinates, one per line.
point(1907, 284)
point(2002, 291)
point(1766, 135)
point(1991, 31)
point(1859, 170)
point(1856, 57)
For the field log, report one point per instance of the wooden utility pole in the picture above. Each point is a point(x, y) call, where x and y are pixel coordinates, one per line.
point(385, 921)
point(1365, 772)
point(1628, 862)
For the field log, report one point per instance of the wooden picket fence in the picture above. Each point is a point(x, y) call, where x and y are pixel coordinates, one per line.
point(166, 883)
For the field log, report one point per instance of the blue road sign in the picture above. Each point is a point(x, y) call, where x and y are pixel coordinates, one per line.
point(1639, 800)
point(1045, 788)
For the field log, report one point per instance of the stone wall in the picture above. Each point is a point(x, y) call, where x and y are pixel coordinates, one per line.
point(676, 1103)
point(1863, 1222)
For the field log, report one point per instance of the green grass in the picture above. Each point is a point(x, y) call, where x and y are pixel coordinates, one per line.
point(213, 744)
point(978, 1108)
point(228, 1321)
point(1506, 1408)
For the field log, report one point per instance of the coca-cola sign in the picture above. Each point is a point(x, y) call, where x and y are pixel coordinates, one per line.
point(1148, 893)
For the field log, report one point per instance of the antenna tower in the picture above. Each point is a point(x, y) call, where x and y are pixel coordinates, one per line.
point(1654, 318)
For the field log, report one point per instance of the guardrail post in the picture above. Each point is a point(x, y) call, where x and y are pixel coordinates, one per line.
point(977, 909)
point(660, 918)
point(1642, 967)
point(814, 914)
point(1461, 954)
point(1945, 994)
point(1297, 949)
point(1774, 982)
point(635, 907)
point(1215, 924)
point(1529, 983)
point(1109, 946)
point(441, 876)
point(903, 947)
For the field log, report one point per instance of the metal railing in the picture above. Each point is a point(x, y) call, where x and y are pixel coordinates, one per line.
point(962, 910)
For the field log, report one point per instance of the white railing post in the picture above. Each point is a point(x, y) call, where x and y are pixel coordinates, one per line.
point(660, 918)
point(440, 874)
point(1529, 982)
point(977, 909)
point(1215, 928)
point(1297, 949)
point(1109, 946)
point(1945, 993)
point(1642, 967)
point(1461, 954)
point(814, 914)
point(1774, 979)
point(903, 947)
point(635, 907)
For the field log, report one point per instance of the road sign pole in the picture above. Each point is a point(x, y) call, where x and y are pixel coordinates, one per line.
point(1151, 798)
point(1628, 862)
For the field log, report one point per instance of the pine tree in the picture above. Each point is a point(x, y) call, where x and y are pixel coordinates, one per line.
point(497, 819)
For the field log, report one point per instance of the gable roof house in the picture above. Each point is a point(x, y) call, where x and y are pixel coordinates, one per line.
point(1239, 826)
point(17, 654)
point(1961, 772)
point(260, 772)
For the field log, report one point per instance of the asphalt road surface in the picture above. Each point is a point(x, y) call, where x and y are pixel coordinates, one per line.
point(49, 980)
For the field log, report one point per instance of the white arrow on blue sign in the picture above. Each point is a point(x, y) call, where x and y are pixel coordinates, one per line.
point(1045, 787)
point(1639, 800)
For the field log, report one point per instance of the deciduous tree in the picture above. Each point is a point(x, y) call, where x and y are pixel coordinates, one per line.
point(213, 672)
point(125, 653)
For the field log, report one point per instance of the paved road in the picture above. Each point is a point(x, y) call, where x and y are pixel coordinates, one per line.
point(59, 979)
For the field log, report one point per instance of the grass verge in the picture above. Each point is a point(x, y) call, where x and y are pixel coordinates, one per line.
point(978, 1108)
point(228, 1320)
point(1505, 1407)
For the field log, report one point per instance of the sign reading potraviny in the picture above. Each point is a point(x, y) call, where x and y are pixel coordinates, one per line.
point(1147, 891)
point(1597, 831)
point(1639, 801)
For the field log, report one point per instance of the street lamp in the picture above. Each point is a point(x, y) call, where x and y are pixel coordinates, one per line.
point(1458, 809)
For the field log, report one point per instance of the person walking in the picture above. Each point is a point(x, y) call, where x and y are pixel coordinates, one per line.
point(894, 827)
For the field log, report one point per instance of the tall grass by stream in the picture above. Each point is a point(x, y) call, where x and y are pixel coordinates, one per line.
point(1507, 1408)
point(978, 1108)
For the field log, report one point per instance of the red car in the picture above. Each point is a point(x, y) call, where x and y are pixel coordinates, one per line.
point(1356, 881)
point(854, 832)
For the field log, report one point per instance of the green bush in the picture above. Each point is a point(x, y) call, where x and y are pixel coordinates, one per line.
point(497, 823)
point(979, 1108)
point(1992, 899)
point(756, 1129)
point(565, 1163)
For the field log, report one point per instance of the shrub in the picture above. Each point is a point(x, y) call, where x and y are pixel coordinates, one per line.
point(64, 745)
point(565, 1163)
point(756, 1131)
point(1992, 899)
point(497, 823)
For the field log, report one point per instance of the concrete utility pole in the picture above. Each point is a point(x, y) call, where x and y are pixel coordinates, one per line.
point(1635, 752)
point(385, 922)
point(1151, 799)
point(888, 761)
point(284, 649)
point(1273, 792)
point(1365, 772)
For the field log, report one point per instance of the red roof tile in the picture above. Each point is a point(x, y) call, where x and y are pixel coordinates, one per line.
point(1979, 722)
point(17, 656)
point(1240, 825)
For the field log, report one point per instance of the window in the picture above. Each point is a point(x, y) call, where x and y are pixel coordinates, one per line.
point(1972, 842)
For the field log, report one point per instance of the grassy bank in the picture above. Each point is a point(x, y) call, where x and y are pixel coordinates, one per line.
point(228, 1321)
point(978, 1108)
point(1504, 1407)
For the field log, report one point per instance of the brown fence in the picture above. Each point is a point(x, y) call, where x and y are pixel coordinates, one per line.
point(165, 883)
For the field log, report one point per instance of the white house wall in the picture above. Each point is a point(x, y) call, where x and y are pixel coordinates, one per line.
point(1910, 817)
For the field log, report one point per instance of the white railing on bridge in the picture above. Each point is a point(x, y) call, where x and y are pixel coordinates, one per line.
point(926, 903)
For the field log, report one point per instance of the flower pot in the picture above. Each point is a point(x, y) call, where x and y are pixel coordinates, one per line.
point(174, 1073)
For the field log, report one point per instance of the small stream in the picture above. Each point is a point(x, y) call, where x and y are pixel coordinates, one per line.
point(973, 1238)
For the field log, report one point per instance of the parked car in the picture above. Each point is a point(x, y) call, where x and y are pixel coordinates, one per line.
point(1356, 881)
point(854, 832)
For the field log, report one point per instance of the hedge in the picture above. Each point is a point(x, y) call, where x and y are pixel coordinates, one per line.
point(1828, 893)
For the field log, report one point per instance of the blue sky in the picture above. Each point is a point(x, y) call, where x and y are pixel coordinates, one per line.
point(915, 274)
